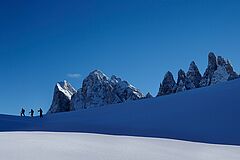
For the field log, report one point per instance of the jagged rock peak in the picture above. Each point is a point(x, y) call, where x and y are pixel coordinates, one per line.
point(222, 63)
point(194, 75)
point(208, 74)
point(168, 84)
point(212, 61)
point(63, 93)
point(229, 69)
point(183, 82)
point(148, 95)
point(218, 71)
point(192, 65)
point(97, 75)
point(124, 90)
point(99, 90)
point(193, 68)
point(181, 76)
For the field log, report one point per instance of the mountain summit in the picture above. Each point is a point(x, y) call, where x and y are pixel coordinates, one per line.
point(218, 71)
point(97, 90)
point(62, 96)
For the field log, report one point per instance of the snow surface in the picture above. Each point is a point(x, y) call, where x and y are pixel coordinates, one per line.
point(209, 114)
point(73, 146)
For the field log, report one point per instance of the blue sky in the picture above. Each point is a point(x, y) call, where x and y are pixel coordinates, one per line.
point(42, 42)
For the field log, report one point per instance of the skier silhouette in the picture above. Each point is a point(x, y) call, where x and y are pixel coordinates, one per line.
point(41, 112)
point(23, 112)
point(31, 112)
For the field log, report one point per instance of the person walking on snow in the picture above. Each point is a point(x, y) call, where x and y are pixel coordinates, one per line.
point(31, 112)
point(23, 112)
point(41, 112)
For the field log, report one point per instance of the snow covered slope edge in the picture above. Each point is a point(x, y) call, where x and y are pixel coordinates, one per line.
point(209, 114)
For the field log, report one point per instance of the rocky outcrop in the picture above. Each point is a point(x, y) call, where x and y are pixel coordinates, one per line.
point(124, 90)
point(168, 85)
point(148, 95)
point(99, 90)
point(226, 64)
point(212, 67)
point(194, 75)
point(183, 82)
point(218, 71)
point(62, 96)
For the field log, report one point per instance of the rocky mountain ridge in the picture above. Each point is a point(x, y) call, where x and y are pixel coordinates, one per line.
point(100, 90)
point(97, 90)
point(218, 70)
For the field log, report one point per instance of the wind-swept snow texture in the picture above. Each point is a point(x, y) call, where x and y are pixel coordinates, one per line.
point(79, 146)
point(210, 114)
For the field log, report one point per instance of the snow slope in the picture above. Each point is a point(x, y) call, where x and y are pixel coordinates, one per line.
point(210, 114)
point(72, 146)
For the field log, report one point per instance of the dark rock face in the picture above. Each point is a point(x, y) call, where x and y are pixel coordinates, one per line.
point(148, 96)
point(62, 96)
point(230, 71)
point(168, 85)
point(218, 71)
point(183, 82)
point(212, 67)
point(99, 90)
point(194, 75)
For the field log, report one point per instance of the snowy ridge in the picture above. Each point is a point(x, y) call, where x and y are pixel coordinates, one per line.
point(204, 115)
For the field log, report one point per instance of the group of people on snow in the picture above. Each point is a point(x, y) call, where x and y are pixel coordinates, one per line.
point(32, 112)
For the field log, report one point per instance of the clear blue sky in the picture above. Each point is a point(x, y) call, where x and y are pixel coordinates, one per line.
point(42, 42)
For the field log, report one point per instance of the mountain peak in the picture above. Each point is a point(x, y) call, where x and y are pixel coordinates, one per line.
point(193, 66)
point(212, 61)
point(168, 74)
point(63, 93)
point(218, 70)
point(149, 95)
point(96, 72)
point(97, 75)
point(99, 90)
point(194, 75)
point(168, 84)
point(183, 82)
